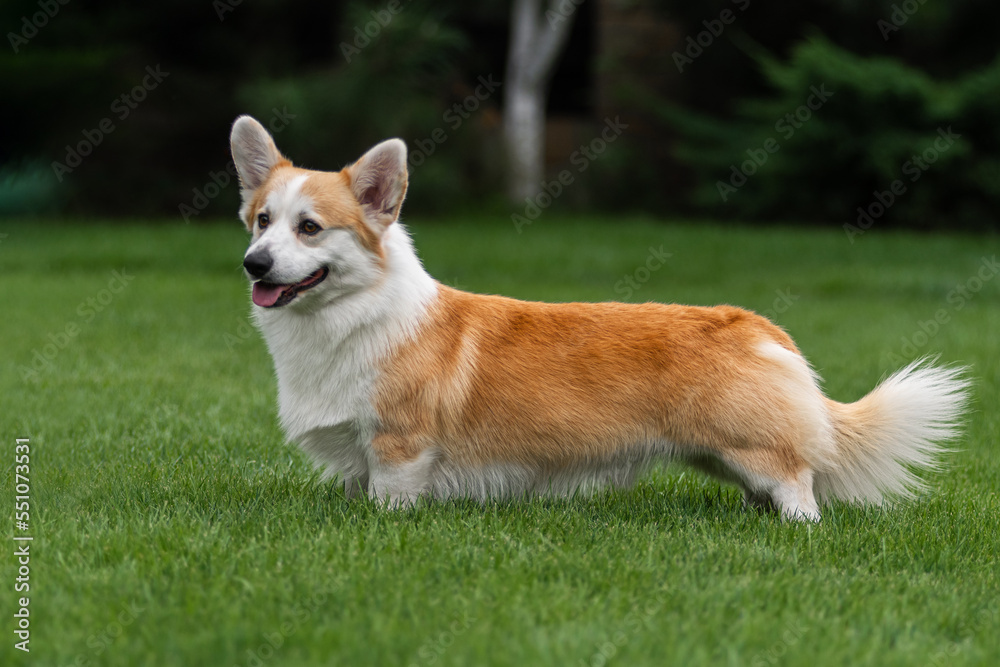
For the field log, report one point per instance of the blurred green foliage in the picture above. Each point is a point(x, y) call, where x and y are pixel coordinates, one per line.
point(393, 81)
point(338, 77)
point(884, 143)
point(286, 60)
point(900, 70)
point(27, 187)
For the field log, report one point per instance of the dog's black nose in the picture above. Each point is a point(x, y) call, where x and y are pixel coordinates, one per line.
point(258, 263)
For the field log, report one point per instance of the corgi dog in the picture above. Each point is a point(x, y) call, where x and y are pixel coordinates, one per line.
point(404, 387)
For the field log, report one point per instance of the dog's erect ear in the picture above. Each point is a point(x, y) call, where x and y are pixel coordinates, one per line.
point(254, 152)
point(378, 181)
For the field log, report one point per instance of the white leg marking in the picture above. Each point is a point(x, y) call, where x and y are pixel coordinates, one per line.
point(795, 498)
point(402, 484)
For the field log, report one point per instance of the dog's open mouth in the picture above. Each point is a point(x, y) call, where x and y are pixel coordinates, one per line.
point(269, 295)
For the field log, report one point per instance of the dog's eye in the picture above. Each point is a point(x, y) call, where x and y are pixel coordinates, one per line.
point(309, 227)
point(263, 220)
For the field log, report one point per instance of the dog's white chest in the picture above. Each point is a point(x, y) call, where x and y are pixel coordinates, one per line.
point(325, 379)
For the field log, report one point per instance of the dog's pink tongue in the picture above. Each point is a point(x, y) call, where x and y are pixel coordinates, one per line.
point(265, 295)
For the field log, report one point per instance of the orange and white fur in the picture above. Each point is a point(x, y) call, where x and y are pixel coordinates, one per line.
point(406, 387)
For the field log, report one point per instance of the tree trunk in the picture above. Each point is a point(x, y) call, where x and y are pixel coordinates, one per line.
point(535, 43)
point(524, 134)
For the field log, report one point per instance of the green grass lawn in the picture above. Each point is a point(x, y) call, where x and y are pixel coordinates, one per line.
point(173, 526)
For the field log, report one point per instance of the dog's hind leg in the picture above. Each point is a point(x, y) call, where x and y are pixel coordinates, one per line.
point(775, 480)
point(758, 501)
point(795, 497)
point(772, 479)
point(770, 432)
point(792, 496)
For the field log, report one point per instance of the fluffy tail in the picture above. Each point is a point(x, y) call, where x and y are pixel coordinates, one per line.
point(896, 431)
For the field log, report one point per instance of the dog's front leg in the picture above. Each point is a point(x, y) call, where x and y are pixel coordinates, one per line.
point(355, 485)
point(400, 483)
